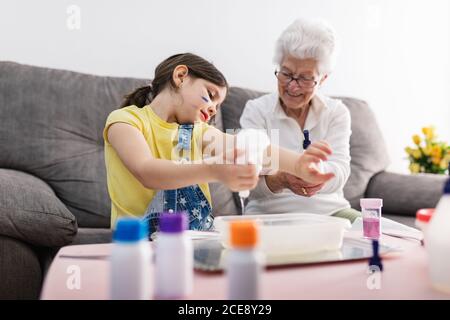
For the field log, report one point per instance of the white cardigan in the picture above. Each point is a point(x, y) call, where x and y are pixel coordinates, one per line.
point(328, 119)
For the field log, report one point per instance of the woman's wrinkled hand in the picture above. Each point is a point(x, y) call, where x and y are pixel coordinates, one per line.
point(307, 166)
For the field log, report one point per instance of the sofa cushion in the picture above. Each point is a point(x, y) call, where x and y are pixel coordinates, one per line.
point(92, 235)
point(223, 202)
point(31, 212)
point(368, 150)
point(404, 194)
point(232, 107)
point(51, 124)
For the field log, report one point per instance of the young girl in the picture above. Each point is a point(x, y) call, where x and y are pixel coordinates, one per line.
point(167, 121)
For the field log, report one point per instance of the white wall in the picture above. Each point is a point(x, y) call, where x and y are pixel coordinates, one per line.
point(395, 53)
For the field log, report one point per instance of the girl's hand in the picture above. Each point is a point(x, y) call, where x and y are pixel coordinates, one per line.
point(307, 166)
point(236, 177)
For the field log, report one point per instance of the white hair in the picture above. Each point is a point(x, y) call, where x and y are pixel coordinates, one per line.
point(305, 39)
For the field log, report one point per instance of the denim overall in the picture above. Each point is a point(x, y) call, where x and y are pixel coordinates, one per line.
point(188, 199)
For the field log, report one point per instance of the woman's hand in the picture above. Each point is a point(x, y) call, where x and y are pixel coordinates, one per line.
point(301, 187)
point(307, 166)
point(282, 180)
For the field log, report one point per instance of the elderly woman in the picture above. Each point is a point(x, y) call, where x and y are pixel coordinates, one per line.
point(304, 55)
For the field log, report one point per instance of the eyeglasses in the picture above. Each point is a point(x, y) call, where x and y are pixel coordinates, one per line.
point(286, 78)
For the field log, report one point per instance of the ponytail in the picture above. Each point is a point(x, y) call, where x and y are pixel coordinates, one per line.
point(139, 97)
point(198, 68)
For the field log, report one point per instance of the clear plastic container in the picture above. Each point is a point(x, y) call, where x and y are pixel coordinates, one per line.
point(371, 215)
point(291, 233)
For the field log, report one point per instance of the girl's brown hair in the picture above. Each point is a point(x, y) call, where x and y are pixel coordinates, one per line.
point(197, 66)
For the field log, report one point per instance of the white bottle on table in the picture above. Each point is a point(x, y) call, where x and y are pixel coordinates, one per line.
point(131, 261)
point(244, 262)
point(174, 265)
point(437, 243)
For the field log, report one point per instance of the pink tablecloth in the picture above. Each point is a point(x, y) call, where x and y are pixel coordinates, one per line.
point(405, 276)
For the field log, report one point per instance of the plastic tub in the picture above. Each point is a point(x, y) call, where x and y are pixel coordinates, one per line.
point(292, 233)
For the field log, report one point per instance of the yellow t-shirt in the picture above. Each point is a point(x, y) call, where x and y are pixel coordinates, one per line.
point(128, 196)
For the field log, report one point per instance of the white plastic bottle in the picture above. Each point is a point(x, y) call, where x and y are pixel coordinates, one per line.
point(131, 261)
point(254, 142)
point(244, 262)
point(437, 243)
point(174, 265)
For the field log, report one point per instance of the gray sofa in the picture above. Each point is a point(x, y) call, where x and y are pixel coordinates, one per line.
point(52, 175)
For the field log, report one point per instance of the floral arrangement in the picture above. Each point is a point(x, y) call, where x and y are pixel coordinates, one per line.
point(428, 155)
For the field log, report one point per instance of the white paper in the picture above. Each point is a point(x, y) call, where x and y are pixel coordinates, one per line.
point(392, 228)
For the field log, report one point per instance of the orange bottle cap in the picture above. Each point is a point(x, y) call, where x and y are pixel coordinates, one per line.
point(243, 234)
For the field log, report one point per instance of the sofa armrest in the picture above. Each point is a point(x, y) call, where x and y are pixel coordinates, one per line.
point(404, 194)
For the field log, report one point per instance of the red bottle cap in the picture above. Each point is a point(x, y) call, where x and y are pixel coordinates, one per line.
point(424, 215)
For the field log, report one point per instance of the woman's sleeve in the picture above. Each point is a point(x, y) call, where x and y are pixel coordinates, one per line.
point(251, 117)
point(338, 137)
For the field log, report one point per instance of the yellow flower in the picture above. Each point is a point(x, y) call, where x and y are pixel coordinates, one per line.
point(408, 150)
point(436, 151)
point(414, 167)
point(416, 154)
point(428, 132)
point(447, 156)
point(428, 154)
point(431, 135)
point(427, 150)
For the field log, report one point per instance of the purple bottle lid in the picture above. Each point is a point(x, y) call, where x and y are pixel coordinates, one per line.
point(173, 222)
point(371, 203)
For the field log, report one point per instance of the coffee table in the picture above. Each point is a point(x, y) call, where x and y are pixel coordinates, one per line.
point(405, 276)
